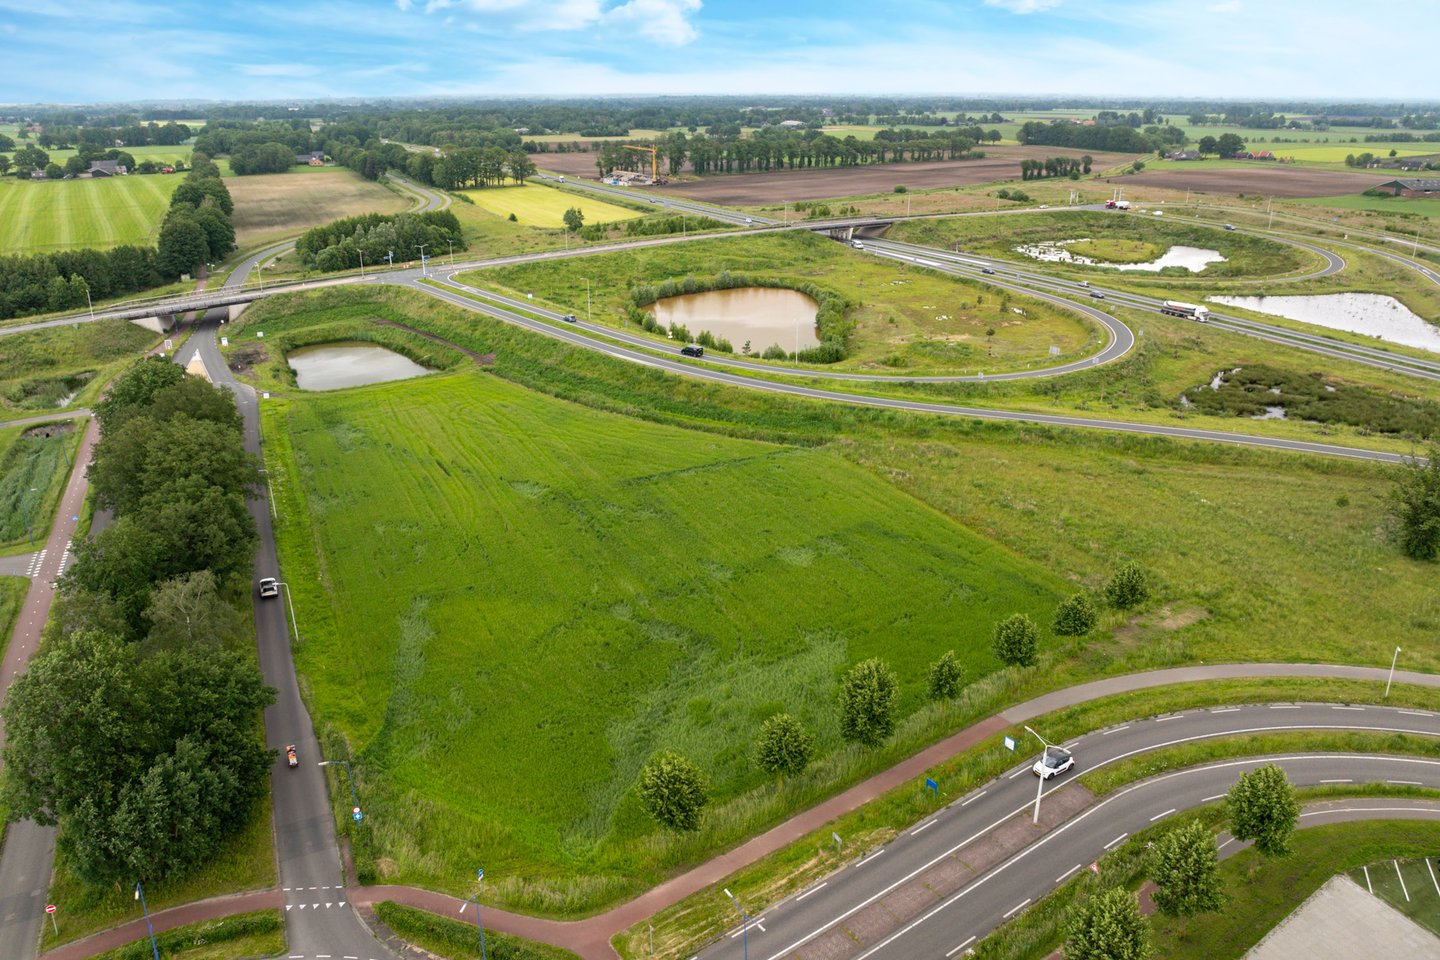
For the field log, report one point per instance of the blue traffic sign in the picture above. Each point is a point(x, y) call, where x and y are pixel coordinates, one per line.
point(932, 785)
point(355, 812)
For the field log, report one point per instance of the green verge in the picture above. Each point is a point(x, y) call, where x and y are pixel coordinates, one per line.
point(245, 862)
point(41, 369)
point(33, 472)
point(454, 940)
point(684, 927)
point(245, 936)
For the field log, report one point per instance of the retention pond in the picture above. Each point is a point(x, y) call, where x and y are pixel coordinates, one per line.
point(765, 316)
point(1373, 314)
point(333, 366)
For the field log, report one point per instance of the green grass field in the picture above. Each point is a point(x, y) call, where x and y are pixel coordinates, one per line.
point(54, 368)
point(68, 214)
point(905, 318)
point(32, 474)
point(245, 935)
point(1410, 886)
point(1402, 206)
point(539, 206)
point(581, 589)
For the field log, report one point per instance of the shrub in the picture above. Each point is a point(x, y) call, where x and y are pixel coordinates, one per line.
point(1017, 641)
point(1128, 588)
point(867, 702)
point(943, 680)
point(673, 791)
point(1075, 616)
point(1414, 506)
point(784, 745)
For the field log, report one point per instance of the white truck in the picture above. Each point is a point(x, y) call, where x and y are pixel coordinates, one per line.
point(1117, 204)
point(1187, 311)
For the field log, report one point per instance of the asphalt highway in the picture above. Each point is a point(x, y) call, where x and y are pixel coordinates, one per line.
point(928, 877)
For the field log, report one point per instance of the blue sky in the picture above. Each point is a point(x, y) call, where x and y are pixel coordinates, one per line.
point(86, 51)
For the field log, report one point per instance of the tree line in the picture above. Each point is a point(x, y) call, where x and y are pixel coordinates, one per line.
point(374, 238)
point(1116, 138)
point(1055, 167)
point(136, 727)
point(197, 228)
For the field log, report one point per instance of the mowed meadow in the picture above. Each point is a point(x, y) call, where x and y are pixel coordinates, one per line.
point(509, 602)
point(70, 214)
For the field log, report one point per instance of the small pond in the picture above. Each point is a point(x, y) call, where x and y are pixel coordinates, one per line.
point(762, 315)
point(1193, 259)
point(332, 366)
point(1373, 314)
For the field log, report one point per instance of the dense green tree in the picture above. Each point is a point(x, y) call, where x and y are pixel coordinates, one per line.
point(1108, 926)
point(784, 745)
point(1186, 872)
point(134, 390)
point(868, 695)
point(53, 171)
point(1414, 505)
point(199, 529)
point(145, 457)
point(219, 234)
point(574, 219)
point(187, 611)
point(1207, 146)
point(1228, 144)
point(1076, 616)
point(148, 762)
point(673, 791)
point(196, 399)
point(943, 682)
point(119, 563)
point(182, 246)
point(1016, 641)
point(5, 164)
point(1262, 807)
point(1129, 587)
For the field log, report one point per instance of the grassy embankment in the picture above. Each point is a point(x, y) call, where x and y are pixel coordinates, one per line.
point(33, 470)
point(1162, 501)
point(74, 214)
point(41, 369)
point(903, 318)
point(245, 935)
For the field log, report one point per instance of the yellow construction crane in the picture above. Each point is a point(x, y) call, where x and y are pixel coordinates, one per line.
point(654, 165)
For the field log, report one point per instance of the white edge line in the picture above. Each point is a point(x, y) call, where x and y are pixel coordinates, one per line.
point(1218, 796)
point(1061, 878)
point(811, 890)
point(1165, 814)
point(1016, 909)
point(1116, 840)
point(923, 826)
point(962, 946)
point(974, 798)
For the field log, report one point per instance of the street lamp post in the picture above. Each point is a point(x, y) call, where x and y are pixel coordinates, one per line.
point(587, 299)
point(88, 302)
point(479, 878)
point(354, 797)
point(1392, 673)
point(452, 250)
point(362, 263)
point(744, 925)
point(421, 247)
point(140, 895)
point(295, 624)
point(1039, 789)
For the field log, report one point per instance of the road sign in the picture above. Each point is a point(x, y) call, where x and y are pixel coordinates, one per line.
point(169, 343)
point(1009, 743)
point(355, 812)
point(224, 341)
point(932, 786)
point(49, 908)
point(480, 874)
point(837, 840)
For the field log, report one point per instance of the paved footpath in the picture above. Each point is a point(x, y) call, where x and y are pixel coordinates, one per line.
point(590, 938)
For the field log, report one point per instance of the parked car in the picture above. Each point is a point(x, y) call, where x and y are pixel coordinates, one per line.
point(1053, 762)
point(1097, 294)
point(269, 587)
point(291, 757)
point(691, 350)
point(570, 318)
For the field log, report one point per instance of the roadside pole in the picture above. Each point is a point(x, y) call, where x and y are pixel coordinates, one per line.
point(1391, 678)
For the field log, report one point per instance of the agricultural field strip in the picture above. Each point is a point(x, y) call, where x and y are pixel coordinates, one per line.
point(1002, 798)
point(583, 339)
point(672, 203)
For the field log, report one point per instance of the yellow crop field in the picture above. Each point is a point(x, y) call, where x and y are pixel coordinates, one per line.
point(537, 206)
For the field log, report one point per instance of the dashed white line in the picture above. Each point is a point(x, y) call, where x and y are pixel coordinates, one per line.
point(1284, 706)
point(1068, 872)
point(1106, 733)
point(1338, 781)
point(1116, 840)
point(974, 798)
point(1415, 713)
point(955, 950)
point(1218, 796)
point(1347, 708)
point(923, 826)
point(1173, 716)
point(1015, 909)
point(1226, 710)
point(1165, 814)
point(1017, 773)
point(811, 890)
point(1405, 783)
point(871, 857)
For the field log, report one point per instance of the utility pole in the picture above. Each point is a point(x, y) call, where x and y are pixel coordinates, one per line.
point(1392, 673)
point(362, 263)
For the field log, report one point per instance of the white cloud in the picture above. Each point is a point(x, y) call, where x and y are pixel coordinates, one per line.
point(403, 5)
point(664, 21)
point(1225, 6)
point(1024, 6)
point(279, 69)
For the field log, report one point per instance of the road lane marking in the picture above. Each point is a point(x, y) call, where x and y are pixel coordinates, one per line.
point(1226, 710)
point(1165, 814)
point(871, 857)
point(1415, 713)
point(1106, 733)
point(1284, 706)
point(1017, 773)
point(1405, 783)
point(1173, 716)
point(1347, 708)
point(1432, 876)
point(1338, 781)
point(974, 798)
point(955, 950)
point(1012, 910)
point(1067, 873)
point(923, 826)
point(810, 891)
point(1367, 881)
point(1116, 840)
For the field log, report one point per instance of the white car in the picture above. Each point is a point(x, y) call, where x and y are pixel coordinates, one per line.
point(269, 587)
point(1054, 761)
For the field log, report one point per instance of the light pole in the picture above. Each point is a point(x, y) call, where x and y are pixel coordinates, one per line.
point(1041, 787)
point(452, 250)
point(744, 925)
point(1392, 673)
point(354, 797)
point(295, 624)
point(140, 895)
point(479, 878)
point(88, 302)
point(362, 262)
point(390, 258)
point(421, 247)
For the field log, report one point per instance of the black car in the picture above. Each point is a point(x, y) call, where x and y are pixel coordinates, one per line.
point(691, 350)
point(1097, 294)
point(986, 270)
point(570, 318)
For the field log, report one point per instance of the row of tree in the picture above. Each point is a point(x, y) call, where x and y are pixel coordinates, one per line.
point(375, 238)
point(1055, 167)
point(197, 228)
point(1117, 139)
point(136, 728)
point(466, 167)
point(674, 791)
point(68, 280)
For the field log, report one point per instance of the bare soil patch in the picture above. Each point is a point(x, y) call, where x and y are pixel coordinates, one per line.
point(1277, 180)
point(280, 204)
point(758, 189)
